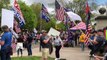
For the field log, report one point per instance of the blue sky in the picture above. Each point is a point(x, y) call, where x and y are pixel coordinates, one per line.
point(101, 2)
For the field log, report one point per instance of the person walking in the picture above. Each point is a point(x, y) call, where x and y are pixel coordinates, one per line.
point(98, 42)
point(19, 46)
point(29, 44)
point(58, 44)
point(5, 42)
point(82, 40)
point(44, 41)
point(91, 46)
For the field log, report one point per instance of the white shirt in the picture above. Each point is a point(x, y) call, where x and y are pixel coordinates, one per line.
point(57, 41)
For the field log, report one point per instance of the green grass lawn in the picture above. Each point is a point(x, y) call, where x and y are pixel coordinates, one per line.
point(29, 58)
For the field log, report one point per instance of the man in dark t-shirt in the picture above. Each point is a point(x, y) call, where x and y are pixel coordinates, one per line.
point(29, 44)
point(98, 42)
point(44, 42)
point(44, 45)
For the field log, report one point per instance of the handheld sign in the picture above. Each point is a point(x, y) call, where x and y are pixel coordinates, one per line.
point(7, 18)
point(53, 32)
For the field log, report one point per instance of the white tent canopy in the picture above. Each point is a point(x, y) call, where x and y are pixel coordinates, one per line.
point(74, 16)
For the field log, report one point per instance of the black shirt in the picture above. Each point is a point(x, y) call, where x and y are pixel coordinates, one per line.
point(44, 45)
point(20, 39)
point(100, 41)
point(29, 39)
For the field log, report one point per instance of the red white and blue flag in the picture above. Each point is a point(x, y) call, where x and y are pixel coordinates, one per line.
point(18, 13)
point(59, 11)
point(88, 26)
point(45, 14)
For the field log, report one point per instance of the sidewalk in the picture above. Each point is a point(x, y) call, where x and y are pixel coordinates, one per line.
point(66, 53)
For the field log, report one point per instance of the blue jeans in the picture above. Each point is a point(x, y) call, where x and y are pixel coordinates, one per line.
point(29, 49)
point(5, 54)
point(82, 46)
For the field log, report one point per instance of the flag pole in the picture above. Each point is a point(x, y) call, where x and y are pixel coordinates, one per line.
point(79, 29)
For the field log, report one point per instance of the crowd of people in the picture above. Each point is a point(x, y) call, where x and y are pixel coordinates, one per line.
point(24, 40)
point(97, 43)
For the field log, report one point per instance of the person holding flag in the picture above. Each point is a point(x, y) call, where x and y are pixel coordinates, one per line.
point(98, 43)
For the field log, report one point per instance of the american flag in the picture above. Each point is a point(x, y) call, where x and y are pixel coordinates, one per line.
point(17, 7)
point(88, 27)
point(18, 13)
point(88, 35)
point(45, 14)
point(44, 9)
point(59, 11)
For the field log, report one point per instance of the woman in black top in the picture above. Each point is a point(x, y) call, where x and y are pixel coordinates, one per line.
point(20, 45)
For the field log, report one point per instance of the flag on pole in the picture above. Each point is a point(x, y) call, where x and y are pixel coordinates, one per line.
point(59, 11)
point(45, 14)
point(67, 20)
point(18, 13)
point(88, 26)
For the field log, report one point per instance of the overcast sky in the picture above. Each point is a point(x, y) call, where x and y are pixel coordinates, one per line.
point(29, 2)
point(45, 2)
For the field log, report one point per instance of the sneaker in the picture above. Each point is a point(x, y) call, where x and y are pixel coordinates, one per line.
point(92, 55)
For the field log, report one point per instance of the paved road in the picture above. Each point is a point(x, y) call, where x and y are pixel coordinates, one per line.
point(67, 53)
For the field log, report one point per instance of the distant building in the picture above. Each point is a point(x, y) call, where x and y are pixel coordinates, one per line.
point(101, 22)
point(102, 19)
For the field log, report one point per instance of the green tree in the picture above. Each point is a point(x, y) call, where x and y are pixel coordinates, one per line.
point(1, 6)
point(78, 6)
point(60, 26)
point(36, 7)
point(29, 16)
point(48, 25)
point(41, 23)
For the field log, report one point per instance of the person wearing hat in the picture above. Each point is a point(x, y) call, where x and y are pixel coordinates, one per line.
point(44, 41)
point(5, 43)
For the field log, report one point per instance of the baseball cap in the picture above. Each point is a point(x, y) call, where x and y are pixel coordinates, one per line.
point(43, 31)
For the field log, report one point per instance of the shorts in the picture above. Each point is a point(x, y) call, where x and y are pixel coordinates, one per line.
point(45, 52)
point(19, 46)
